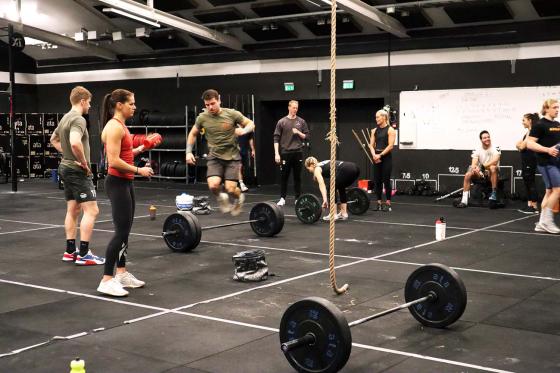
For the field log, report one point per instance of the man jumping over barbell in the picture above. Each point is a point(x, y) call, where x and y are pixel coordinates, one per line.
point(222, 126)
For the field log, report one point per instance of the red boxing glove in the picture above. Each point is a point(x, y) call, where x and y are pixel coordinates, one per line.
point(137, 140)
point(151, 141)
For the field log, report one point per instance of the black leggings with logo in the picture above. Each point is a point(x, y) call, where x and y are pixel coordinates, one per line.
point(121, 194)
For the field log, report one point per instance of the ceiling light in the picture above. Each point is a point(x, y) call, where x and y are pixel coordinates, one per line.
point(131, 16)
point(79, 36)
point(266, 27)
point(117, 35)
point(141, 32)
point(92, 35)
point(391, 10)
point(273, 26)
point(405, 13)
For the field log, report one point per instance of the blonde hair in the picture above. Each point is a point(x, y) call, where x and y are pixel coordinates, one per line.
point(384, 113)
point(311, 161)
point(78, 94)
point(547, 104)
point(293, 102)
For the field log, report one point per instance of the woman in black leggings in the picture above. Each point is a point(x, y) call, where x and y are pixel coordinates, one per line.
point(381, 147)
point(528, 165)
point(118, 106)
point(346, 174)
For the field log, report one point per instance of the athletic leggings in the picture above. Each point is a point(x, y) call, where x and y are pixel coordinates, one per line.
point(528, 174)
point(291, 160)
point(382, 176)
point(346, 175)
point(121, 194)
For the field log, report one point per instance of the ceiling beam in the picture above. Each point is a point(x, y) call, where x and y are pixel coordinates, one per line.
point(369, 14)
point(179, 23)
point(61, 40)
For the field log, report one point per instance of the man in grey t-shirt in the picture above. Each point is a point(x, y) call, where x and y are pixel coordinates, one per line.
point(71, 138)
point(289, 136)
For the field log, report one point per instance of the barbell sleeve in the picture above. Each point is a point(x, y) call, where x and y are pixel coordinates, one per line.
point(306, 340)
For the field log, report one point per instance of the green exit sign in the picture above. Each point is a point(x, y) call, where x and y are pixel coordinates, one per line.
point(289, 87)
point(347, 84)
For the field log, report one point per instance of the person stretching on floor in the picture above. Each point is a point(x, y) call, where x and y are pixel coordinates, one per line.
point(346, 174)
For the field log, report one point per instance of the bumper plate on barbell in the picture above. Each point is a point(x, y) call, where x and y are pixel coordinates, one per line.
point(308, 208)
point(333, 340)
point(271, 219)
point(186, 234)
point(358, 201)
point(446, 284)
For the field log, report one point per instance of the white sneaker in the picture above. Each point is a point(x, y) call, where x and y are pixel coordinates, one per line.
point(243, 187)
point(538, 228)
point(282, 202)
point(127, 280)
point(328, 217)
point(223, 201)
point(550, 227)
point(238, 205)
point(112, 287)
point(340, 216)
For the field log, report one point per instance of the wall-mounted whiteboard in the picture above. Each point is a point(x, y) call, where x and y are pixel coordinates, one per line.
point(452, 119)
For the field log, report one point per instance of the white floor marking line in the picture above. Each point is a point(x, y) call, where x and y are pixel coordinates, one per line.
point(225, 321)
point(27, 230)
point(426, 357)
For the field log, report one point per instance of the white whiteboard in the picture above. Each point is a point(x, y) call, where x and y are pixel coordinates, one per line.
point(452, 119)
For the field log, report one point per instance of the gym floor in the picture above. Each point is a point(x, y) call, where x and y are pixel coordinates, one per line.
point(192, 317)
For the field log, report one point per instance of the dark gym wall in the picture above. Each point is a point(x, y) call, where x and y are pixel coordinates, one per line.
point(370, 83)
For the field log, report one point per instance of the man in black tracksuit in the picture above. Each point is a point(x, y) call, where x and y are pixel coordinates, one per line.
point(289, 135)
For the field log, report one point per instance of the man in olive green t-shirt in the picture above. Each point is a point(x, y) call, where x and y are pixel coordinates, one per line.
point(71, 138)
point(221, 127)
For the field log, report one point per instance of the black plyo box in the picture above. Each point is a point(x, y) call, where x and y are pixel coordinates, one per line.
point(34, 124)
point(36, 145)
point(50, 121)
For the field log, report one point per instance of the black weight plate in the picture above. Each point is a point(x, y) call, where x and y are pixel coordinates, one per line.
point(446, 284)
point(333, 340)
point(360, 200)
point(271, 221)
point(308, 208)
point(195, 223)
point(280, 212)
point(185, 237)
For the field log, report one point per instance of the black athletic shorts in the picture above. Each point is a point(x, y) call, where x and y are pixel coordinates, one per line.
point(77, 185)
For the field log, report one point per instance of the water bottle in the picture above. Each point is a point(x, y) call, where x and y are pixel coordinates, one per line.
point(152, 211)
point(77, 366)
point(440, 229)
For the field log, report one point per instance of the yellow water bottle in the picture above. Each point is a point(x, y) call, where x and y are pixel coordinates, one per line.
point(153, 211)
point(77, 366)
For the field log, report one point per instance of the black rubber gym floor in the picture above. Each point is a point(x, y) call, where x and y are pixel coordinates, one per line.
point(192, 317)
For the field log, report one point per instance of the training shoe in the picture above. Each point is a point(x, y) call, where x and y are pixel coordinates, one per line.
point(328, 217)
point(69, 257)
point(528, 210)
point(460, 205)
point(89, 259)
point(340, 216)
point(538, 228)
point(223, 201)
point(127, 280)
point(387, 208)
point(549, 227)
point(243, 187)
point(379, 207)
point(282, 202)
point(112, 287)
point(238, 205)
point(493, 196)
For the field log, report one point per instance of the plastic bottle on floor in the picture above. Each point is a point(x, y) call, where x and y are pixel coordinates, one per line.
point(440, 229)
point(77, 366)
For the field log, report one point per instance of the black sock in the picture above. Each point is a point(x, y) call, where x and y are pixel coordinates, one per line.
point(70, 246)
point(84, 248)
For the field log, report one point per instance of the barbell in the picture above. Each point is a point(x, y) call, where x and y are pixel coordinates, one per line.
point(182, 231)
point(309, 207)
point(315, 336)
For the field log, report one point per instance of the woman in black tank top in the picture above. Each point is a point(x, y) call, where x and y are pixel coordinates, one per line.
point(528, 165)
point(381, 147)
point(346, 174)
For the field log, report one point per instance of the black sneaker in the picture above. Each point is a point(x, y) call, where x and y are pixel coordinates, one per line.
point(379, 207)
point(460, 205)
point(528, 210)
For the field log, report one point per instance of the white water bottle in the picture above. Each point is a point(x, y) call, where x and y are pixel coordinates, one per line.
point(440, 229)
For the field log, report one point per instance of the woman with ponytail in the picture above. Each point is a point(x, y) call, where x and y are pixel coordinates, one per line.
point(118, 106)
